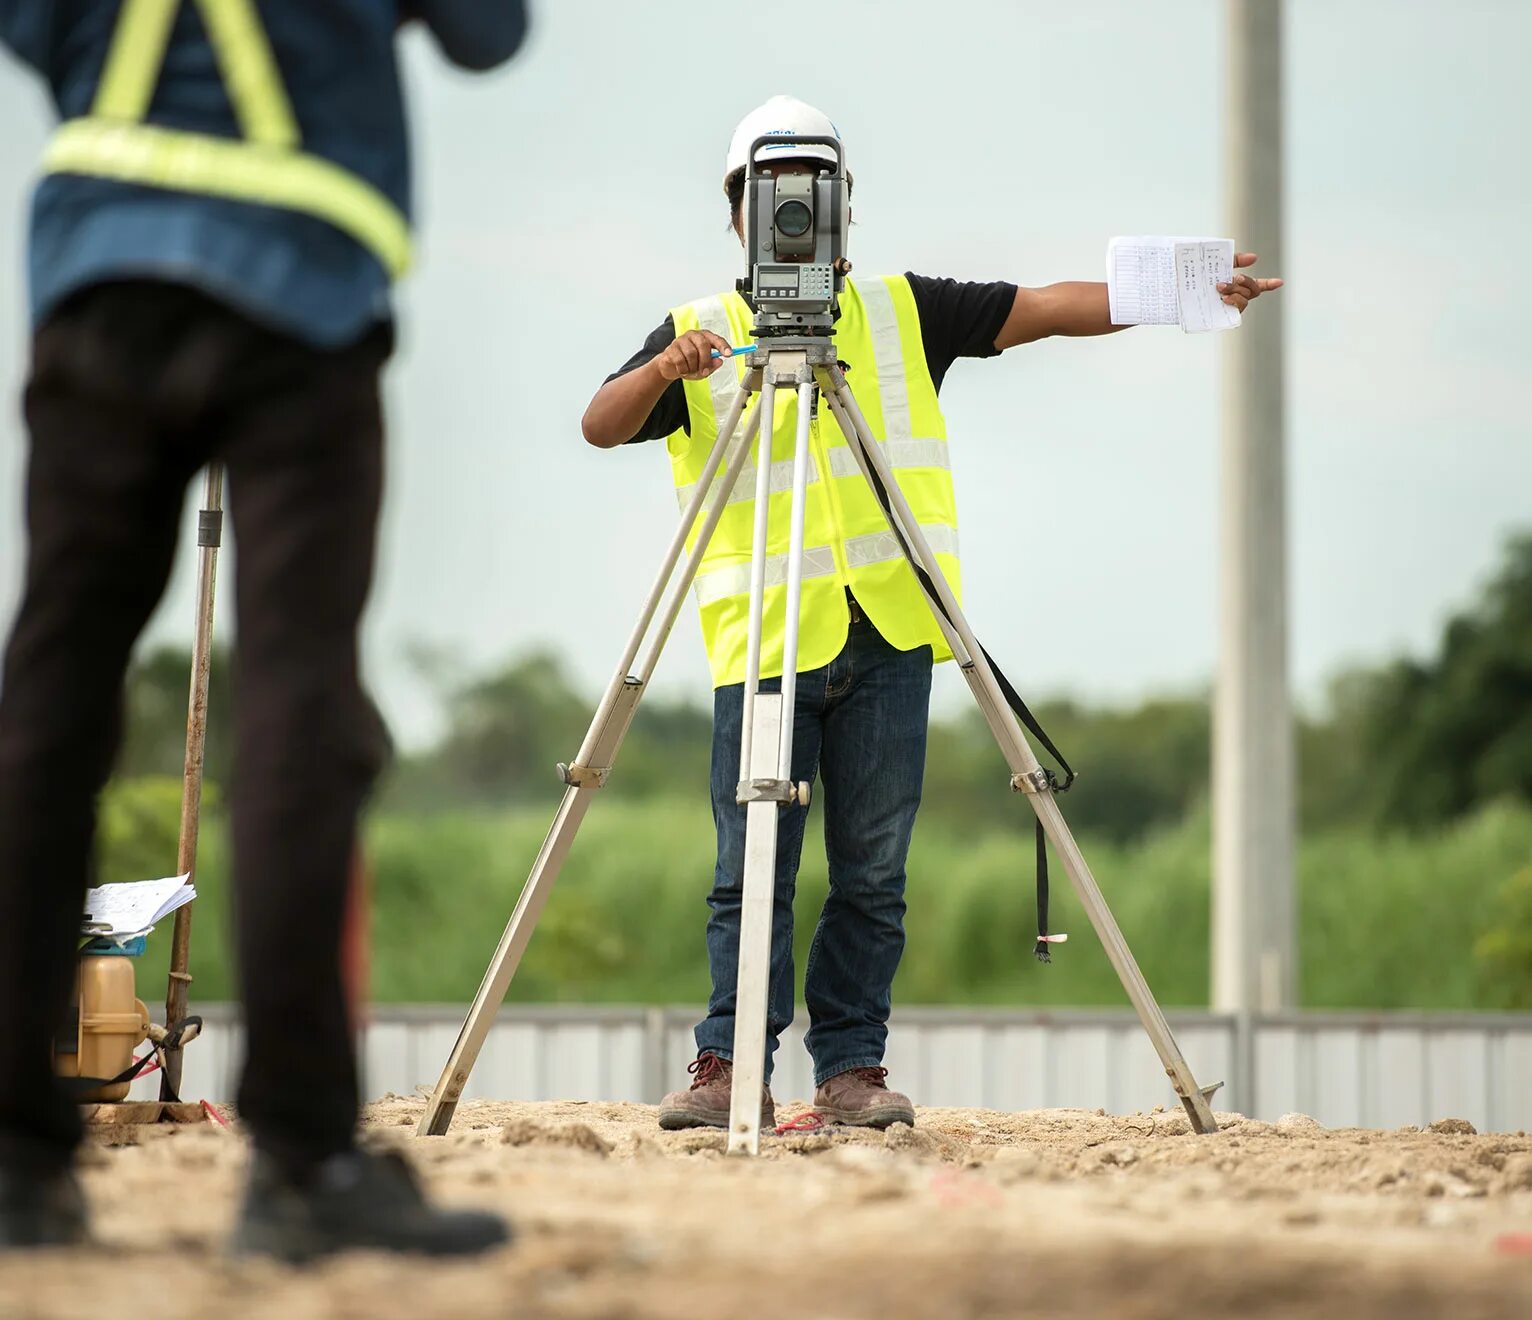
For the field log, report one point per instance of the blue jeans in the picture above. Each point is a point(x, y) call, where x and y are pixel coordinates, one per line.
point(860, 725)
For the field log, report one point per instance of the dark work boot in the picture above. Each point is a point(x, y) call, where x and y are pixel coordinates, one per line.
point(706, 1102)
point(859, 1097)
point(41, 1208)
point(353, 1201)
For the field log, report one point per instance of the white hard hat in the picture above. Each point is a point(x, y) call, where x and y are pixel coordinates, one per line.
point(781, 114)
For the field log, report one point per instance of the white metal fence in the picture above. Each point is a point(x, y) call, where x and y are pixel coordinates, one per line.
point(1344, 1069)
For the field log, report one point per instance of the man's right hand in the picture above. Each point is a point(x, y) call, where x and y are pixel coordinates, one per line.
point(691, 356)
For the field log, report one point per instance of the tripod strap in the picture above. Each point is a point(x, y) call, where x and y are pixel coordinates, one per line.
point(1013, 699)
point(185, 1030)
point(137, 1068)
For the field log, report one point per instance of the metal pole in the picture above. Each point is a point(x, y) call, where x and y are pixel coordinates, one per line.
point(209, 538)
point(1254, 908)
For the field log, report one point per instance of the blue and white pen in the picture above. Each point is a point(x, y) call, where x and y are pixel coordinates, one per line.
point(739, 352)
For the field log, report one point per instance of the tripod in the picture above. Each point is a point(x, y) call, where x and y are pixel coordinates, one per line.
point(807, 364)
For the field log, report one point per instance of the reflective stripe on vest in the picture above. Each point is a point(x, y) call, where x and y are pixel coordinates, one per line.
point(901, 454)
point(265, 166)
point(883, 547)
point(819, 561)
point(714, 317)
point(744, 488)
point(888, 360)
point(878, 336)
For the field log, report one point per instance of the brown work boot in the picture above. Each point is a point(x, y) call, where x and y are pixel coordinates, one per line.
point(706, 1102)
point(859, 1097)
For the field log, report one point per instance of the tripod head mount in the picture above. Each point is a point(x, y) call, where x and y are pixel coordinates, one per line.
point(817, 349)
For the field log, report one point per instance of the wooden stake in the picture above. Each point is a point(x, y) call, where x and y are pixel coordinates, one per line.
point(209, 538)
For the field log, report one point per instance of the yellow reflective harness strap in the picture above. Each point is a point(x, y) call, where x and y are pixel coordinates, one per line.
point(250, 72)
point(265, 166)
point(134, 58)
point(241, 171)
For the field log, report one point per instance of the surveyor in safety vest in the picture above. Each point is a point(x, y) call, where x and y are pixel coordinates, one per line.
point(868, 638)
point(222, 212)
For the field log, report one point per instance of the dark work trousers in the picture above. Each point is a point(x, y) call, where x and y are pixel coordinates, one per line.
point(134, 387)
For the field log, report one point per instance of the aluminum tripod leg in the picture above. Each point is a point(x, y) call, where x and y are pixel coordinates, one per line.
point(753, 984)
point(758, 568)
point(1018, 753)
point(597, 753)
point(766, 764)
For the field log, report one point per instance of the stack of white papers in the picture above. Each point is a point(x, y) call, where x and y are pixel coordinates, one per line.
point(121, 912)
point(1158, 280)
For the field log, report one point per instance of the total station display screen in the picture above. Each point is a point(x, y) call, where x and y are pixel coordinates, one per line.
point(779, 281)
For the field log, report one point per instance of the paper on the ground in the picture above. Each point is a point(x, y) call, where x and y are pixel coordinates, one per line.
point(1163, 280)
point(119, 912)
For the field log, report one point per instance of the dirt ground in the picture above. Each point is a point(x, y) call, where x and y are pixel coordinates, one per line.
point(970, 1213)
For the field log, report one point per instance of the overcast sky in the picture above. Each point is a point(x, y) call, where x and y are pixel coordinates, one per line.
point(568, 200)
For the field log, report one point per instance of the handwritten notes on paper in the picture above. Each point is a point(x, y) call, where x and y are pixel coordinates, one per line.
point(1156, 280)
point(1200, 268)
point(120, 912)
point(1141, 282)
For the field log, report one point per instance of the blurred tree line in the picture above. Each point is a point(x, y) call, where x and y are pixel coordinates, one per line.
point(1409, 745)
point(1401, 749)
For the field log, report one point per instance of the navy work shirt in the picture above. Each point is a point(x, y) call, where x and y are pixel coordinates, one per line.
point(289, 271)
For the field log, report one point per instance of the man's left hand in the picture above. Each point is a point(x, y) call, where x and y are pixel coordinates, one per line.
point(1243, 290)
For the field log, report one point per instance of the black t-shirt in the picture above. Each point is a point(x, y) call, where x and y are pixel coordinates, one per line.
point(957, 320)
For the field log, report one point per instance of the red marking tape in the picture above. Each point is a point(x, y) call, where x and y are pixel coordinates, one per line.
point(218, 1118)
point(806, 1122)
point(1514, 1244)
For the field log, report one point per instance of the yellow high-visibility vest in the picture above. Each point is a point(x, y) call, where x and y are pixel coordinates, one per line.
point(267, 165)
point(847, 541)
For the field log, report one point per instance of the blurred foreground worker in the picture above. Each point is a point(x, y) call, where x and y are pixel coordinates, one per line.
point(867, 639)
point(221, 216)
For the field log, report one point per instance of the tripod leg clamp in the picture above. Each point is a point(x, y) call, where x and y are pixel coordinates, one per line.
point(772, 790)
point(583, 776)
point(1033, 781)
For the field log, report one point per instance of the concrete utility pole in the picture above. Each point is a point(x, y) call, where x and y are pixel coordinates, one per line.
point(1254, 907)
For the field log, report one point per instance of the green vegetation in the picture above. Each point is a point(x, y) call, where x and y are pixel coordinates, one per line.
point(1415, 867)
point(1389, 921)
